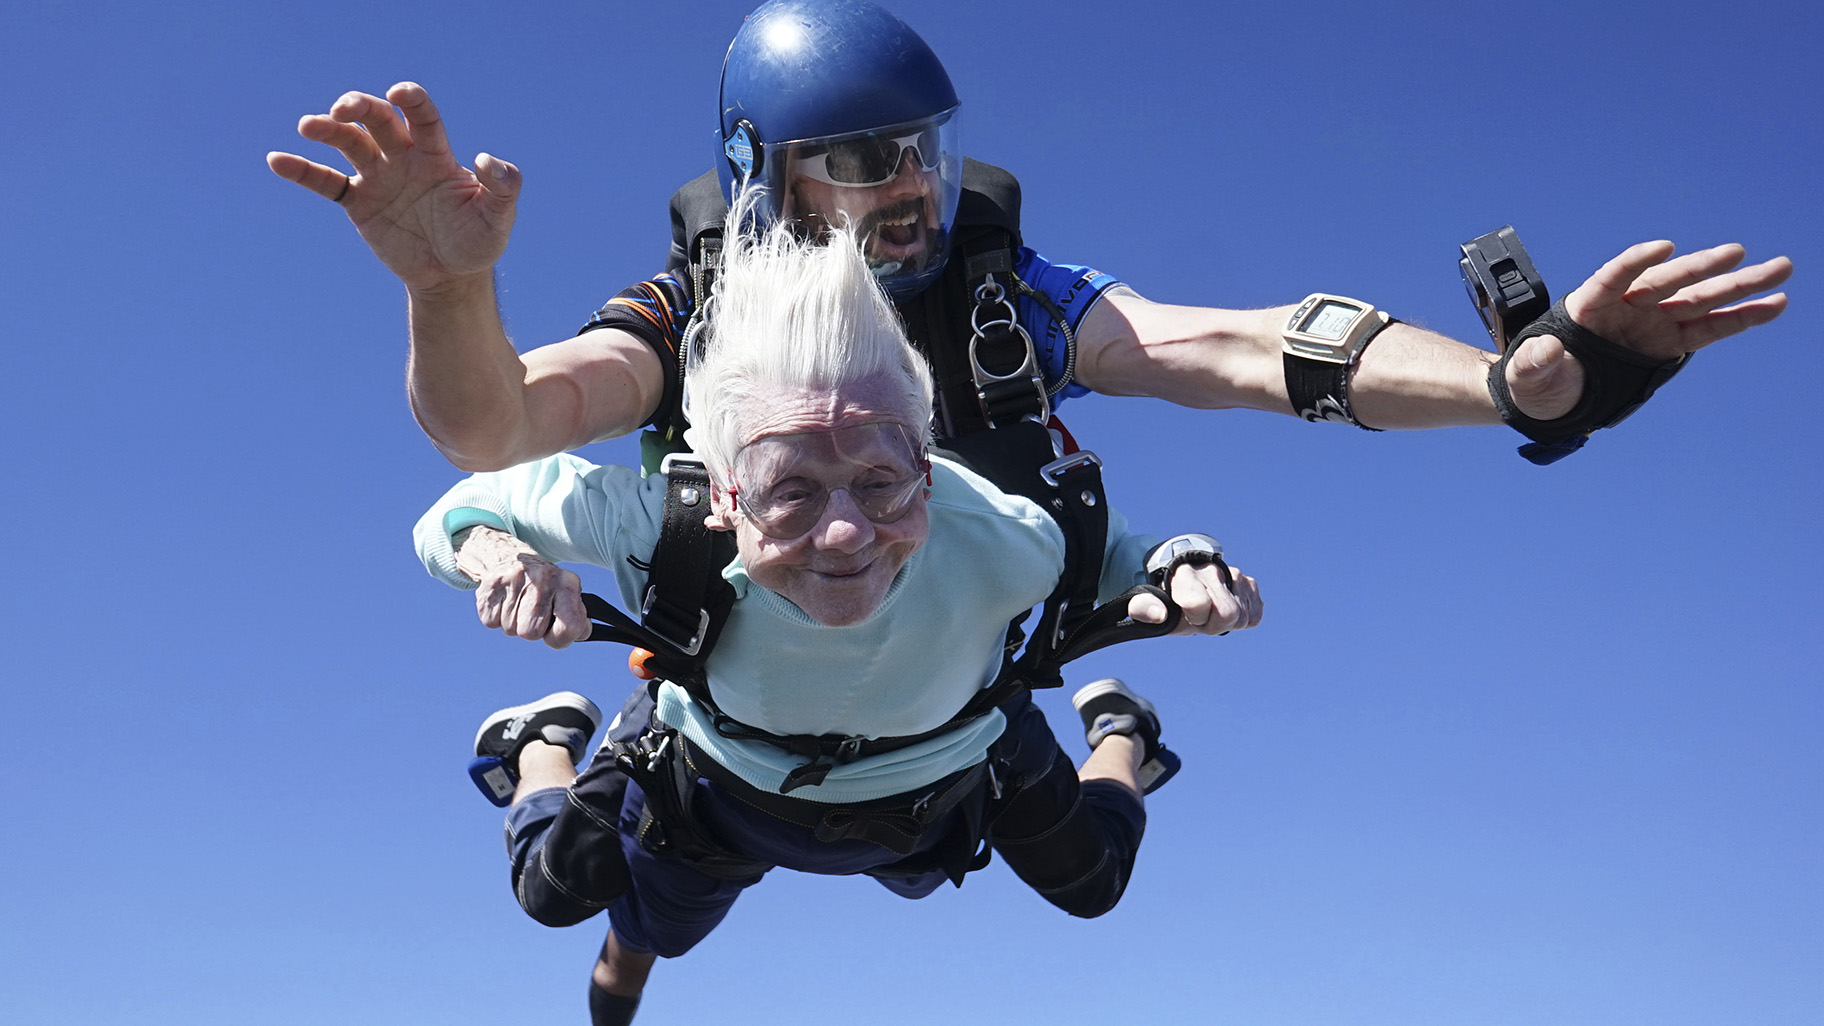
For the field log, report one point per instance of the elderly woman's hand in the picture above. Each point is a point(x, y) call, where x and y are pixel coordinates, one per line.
point(1209, 607)
point(522, 593)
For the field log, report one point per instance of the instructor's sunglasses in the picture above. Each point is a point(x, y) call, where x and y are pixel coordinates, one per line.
point(870, 160)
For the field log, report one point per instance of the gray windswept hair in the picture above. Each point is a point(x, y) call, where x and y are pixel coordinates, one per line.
point(792, 314)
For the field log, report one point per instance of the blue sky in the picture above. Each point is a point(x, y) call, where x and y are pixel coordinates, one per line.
point(1515, 745)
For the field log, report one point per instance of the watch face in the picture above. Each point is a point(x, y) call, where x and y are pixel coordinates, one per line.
point(1330, 320)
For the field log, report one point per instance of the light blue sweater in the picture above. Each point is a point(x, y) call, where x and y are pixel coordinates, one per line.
point(935, 640)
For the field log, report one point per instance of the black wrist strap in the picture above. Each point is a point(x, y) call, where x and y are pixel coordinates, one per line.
point(1319, 389)
point(1617, 381)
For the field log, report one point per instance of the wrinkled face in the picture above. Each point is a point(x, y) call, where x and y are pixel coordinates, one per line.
point(900, 222)
point(834, 463)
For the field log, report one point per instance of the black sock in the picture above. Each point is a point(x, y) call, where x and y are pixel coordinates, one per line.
point(607, 1009)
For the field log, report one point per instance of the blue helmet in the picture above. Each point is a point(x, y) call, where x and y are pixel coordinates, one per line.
point(838, 110)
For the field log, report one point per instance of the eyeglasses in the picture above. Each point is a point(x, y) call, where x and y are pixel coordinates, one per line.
point(870, 160)
point(793, 476)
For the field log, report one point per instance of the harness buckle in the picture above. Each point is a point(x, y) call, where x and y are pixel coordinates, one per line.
point(850, 749)
point(682, 459)
point(809, 774)
point(1001, 392)
point(691, 644)
point(1053, 473)
point(657, 756)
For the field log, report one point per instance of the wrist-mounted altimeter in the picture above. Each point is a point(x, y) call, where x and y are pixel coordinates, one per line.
point(1192, 549)
point(1507, 291)
point(1323, 339)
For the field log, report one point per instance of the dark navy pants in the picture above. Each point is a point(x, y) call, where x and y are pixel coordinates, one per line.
point(576, 851)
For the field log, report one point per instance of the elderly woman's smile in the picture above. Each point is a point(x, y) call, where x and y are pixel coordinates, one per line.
point(828, 501)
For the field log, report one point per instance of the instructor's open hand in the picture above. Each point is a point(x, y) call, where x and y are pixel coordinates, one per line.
point(430, 220)
point(1653, 304)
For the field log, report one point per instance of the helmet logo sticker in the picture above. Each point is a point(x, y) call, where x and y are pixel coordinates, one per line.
point(742, 147)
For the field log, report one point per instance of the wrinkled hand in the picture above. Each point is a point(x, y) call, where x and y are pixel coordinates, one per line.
point(520, 592)
point(430, 220)
point(1654, 305)
point(1208, 606)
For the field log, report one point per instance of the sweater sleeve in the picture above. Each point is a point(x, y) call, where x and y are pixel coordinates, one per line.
point(1124, 561)
point(566, 508)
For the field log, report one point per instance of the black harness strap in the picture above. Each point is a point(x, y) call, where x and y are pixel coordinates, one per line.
point(684, 579)
point(1020, 459)
point(667, 824)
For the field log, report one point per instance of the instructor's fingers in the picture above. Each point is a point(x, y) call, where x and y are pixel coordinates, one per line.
point(1613, 279)
point(1662, 281)
point(352, 141)
point(425, 125)
point(378, 117)
point(500, 178)
point(1720, 324)
point(1710, 293)
point(325, 181)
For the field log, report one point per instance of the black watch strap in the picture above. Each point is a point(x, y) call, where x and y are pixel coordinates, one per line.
point(1319, 389)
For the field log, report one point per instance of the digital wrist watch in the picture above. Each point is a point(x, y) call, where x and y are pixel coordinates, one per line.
point(1323, 339)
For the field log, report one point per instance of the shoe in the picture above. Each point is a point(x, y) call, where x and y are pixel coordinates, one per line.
point(564, 718)
point(1108, 707)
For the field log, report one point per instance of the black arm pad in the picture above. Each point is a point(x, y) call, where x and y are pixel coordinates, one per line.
point(1617, 380)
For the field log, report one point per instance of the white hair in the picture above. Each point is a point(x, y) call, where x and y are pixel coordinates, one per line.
point(793, 314)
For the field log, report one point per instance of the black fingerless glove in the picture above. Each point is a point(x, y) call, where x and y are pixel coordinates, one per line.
point(1616, 381)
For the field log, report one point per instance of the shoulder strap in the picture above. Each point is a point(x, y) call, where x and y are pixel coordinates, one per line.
point(1022, 459)
point(686, 601)
point(696, 209)
point(990, 199)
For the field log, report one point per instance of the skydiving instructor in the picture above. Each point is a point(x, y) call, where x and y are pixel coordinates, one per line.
point(876, 142)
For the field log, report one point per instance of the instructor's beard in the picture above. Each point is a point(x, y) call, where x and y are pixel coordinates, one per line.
point(898, 236)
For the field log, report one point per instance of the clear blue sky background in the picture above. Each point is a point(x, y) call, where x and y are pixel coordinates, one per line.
point(1516, 745)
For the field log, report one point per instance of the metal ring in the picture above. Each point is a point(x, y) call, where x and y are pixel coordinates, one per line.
point(975, 316)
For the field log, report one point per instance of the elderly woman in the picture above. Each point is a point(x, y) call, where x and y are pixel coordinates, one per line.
point(873, 591)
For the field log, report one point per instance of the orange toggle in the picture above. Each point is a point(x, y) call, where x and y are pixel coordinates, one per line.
point(636, 662)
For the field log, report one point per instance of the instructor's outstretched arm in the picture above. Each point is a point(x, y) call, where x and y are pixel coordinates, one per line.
point(441, 228)
point(1409, 377)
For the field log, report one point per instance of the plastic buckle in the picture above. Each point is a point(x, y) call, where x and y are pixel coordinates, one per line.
point(850, 749)
point(807, 775)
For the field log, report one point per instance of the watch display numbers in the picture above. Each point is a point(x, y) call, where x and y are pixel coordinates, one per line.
point(1330, 320)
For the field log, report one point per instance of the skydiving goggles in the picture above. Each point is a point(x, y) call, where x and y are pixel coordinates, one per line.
point(864, 161)
point(783, 483)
